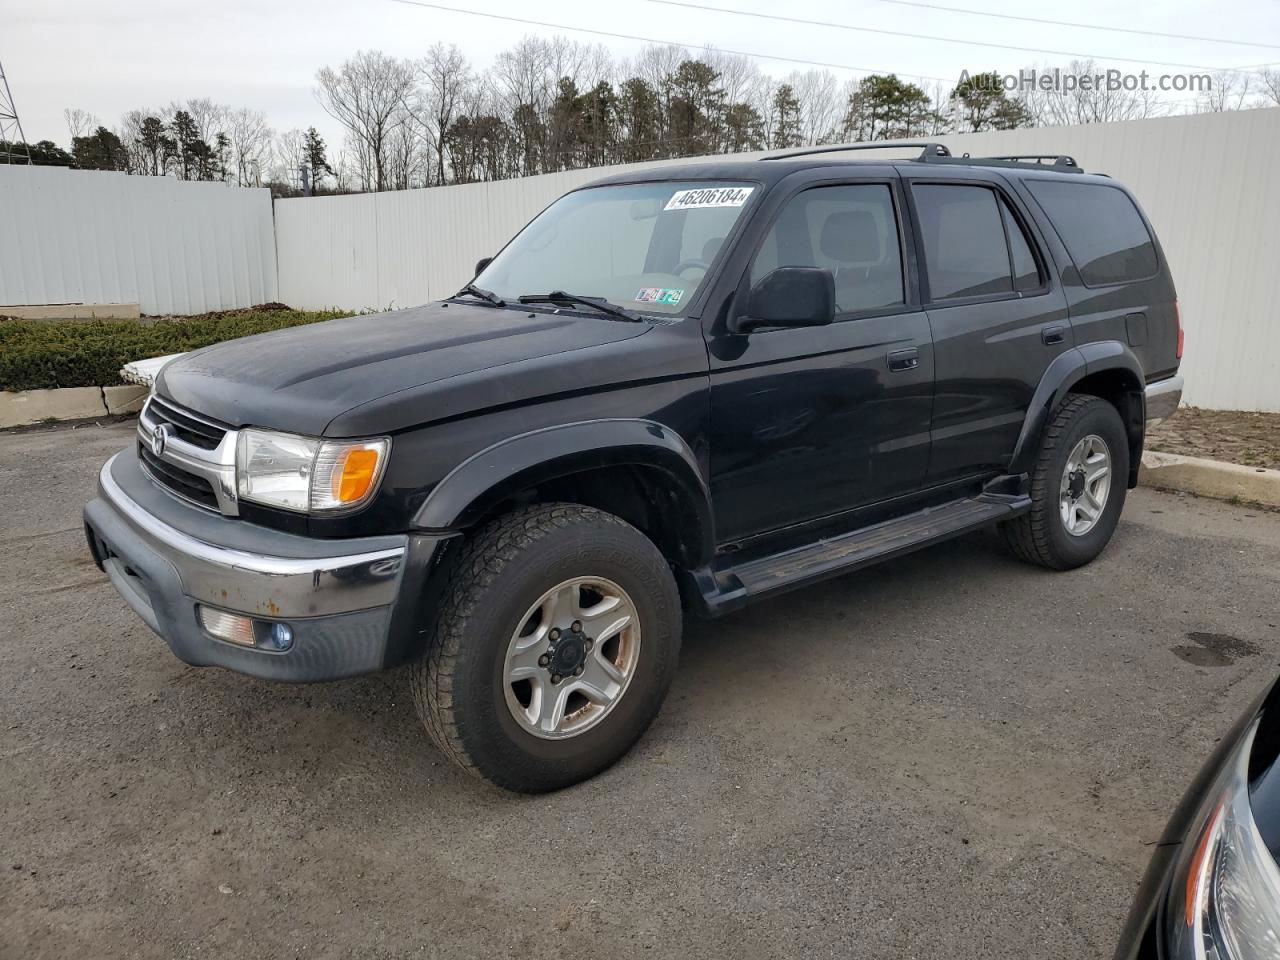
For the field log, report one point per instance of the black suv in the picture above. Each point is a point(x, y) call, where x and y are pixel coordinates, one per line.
point(680, 388)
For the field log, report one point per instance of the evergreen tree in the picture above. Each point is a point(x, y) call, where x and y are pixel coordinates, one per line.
point(982, 104)
point(43, 153)
point(100, 150)
point(884, 107)
point(696, 107)
point(786, 118)
point(151, 141)
point(744, 128)
point(313, 152)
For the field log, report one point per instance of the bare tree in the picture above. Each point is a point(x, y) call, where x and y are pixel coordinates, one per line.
point(80, 123)
point(446, 83)
point(289, 153)
point(368, 96)
point(821, 107)
point(1228, 90)
point(1269, 81)
point(1096, 104)
point(522, 80)
point(250, 142)
point(342, 173)
point(210, 118)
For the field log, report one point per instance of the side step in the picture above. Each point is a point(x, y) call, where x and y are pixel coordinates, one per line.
point(727, 585)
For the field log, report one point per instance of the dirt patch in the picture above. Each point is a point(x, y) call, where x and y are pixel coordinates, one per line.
point(1234, 436)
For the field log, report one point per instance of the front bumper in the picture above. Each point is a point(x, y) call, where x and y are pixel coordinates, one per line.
point(1163, 397)
point(352, 604)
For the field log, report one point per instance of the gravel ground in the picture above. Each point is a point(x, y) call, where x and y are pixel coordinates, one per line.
point(952, 755)
point(1235, 436)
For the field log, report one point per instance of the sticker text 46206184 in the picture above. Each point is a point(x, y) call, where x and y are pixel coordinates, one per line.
point(703, 197)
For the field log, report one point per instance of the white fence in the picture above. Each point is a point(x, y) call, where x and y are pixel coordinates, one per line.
point(1206, 182)
point(87, 236)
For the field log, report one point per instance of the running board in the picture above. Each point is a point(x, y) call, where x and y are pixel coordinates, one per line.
point(727, 585)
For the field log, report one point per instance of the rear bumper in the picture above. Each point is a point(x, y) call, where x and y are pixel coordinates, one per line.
point(351, 604)
point(1163, 397)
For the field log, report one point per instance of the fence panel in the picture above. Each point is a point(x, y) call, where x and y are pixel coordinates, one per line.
point(89, 236)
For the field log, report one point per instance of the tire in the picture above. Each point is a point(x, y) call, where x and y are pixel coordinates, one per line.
point(1042, 536)
point(461, 687)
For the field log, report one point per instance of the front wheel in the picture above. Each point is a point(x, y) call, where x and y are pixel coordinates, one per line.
point(553, 649)
point(1078, 487)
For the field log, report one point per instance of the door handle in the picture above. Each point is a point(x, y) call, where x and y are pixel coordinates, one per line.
point(907, 359)
point(1053, 335)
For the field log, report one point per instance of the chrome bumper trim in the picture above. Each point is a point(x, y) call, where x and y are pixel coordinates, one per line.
point(274, 586)
point(1163, 397)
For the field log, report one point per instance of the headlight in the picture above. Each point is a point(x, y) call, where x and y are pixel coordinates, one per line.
point(307, 475)
point(1224, 902)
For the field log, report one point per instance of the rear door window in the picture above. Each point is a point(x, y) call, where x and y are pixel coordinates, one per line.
point(1101, 228)
point(966, 254)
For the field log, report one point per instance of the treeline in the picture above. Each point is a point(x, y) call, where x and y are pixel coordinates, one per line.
point(547, 105)
point(193, 140)
point(552, 104)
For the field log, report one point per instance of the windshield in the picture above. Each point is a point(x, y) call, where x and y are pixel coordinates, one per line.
point(644, 246)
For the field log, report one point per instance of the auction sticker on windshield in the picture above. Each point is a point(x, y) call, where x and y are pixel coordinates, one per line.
point(704, 197)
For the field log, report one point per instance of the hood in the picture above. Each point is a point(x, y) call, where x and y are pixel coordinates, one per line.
point(301, 379)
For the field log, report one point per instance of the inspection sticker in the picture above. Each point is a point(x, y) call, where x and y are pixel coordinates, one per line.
point(659, 295)
point(709, 197)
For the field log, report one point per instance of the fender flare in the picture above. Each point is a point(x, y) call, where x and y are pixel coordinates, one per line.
point(1067, 369)
point(487, 477)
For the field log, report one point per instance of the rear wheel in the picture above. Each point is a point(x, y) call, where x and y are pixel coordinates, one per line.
point(553, 648)
point(1078, 487)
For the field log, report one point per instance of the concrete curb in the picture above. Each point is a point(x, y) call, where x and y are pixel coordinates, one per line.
point(1210, 478)
point(25, 407)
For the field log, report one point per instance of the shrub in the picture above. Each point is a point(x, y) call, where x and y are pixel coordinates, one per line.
point(42, 354)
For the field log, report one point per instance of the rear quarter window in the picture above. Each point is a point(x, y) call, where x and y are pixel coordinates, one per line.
point(1102, 230)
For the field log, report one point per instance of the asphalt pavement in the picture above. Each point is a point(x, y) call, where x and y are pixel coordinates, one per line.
point(952, 755)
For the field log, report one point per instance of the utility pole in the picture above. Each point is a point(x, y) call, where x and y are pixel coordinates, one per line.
point(12, 149)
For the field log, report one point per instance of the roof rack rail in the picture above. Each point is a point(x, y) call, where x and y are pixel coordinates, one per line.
point(929, 149)
point(1034, 159)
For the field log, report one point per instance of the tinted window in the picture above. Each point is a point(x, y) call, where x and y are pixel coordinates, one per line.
point(1026, 274)
point(964, 245)
point(1102, 230)
point(849, 230)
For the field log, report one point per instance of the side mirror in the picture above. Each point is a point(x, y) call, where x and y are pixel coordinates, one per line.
point(481, 264)
point(789, 297)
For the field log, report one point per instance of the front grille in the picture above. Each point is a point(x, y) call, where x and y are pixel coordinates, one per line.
point(196, 431)
point(186, 485)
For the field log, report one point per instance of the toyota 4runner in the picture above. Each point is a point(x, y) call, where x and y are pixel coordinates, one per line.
point(677, 389)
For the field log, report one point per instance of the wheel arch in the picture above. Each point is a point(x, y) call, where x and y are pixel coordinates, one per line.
point(1106, 369)
point(637, 469)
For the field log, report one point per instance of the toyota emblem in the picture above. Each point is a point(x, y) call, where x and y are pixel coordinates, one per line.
point(159, 439)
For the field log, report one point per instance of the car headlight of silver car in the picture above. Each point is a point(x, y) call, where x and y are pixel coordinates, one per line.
point(307, 474)
point(1224, 900)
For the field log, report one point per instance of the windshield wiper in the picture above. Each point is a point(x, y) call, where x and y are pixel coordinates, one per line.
point(600, 303)
point(488, 296)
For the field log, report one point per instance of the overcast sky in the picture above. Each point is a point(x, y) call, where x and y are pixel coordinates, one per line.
point(109, 56)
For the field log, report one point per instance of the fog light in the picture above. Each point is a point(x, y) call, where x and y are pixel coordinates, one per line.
point(280, 637)
point(228, 626)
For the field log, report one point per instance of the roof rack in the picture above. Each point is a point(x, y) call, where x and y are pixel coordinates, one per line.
point(928, 150)
point(932, 152)
point(1059, 161)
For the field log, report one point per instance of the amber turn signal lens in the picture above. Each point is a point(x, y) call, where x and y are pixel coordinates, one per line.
point(351, 483)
